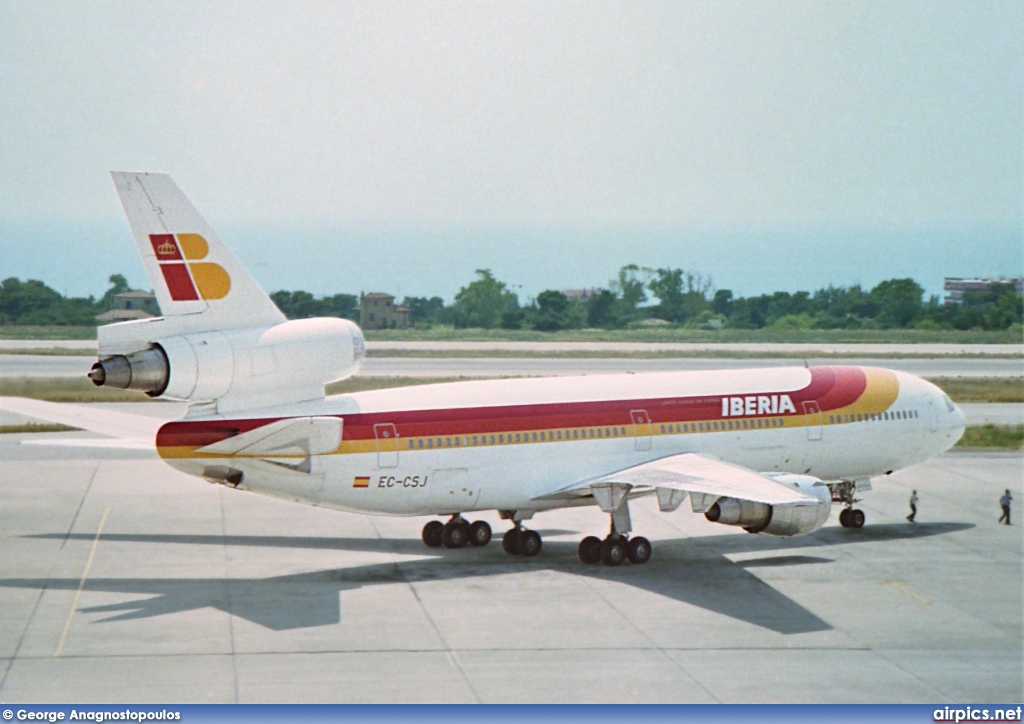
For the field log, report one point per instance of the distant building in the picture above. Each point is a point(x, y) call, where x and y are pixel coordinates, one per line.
point(957, 286)
point(379, 311)
point(581, 294)
point(131, 304)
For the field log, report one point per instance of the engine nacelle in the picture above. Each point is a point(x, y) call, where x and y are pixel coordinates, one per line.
point(241, 368)
point(782, 520)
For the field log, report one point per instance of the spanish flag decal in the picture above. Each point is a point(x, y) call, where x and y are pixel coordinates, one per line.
point(361, 482)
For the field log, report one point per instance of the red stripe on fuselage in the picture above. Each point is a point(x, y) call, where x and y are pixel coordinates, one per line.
point(831, 387)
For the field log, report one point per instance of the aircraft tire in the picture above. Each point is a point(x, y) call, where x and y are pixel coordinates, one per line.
point(432, 533)
point(590, 550)
point(510, 542)
point(639, 550)
point(856, 518)
point(454, 535)
point(613, 551)
point(529, 543)
point(844, 517)
point(479, 533)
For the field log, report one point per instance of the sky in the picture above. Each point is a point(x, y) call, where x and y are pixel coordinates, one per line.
point(399, 146)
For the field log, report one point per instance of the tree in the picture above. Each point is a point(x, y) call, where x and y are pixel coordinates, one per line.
point(601, 310)
point(482, 302)
point(118, 284)
point(683, 295)
point(424, 312)
point(552, 311)
point(899, 302)
point(629, 292)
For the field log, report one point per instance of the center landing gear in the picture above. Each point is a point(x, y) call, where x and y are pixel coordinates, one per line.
point(456, 533)
point(519, 541)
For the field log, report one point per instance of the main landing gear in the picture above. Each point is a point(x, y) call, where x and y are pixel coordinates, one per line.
point(849, 517)
point(617, 547)
point(614, 550)
point(456, 533)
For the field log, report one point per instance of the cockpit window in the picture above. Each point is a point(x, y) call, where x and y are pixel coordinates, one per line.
point(950, 407)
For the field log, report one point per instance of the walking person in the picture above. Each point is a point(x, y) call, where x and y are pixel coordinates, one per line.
point(1004, 501)
point(913, 506)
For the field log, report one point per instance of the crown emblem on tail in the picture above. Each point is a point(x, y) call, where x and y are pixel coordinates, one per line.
point(166, 248)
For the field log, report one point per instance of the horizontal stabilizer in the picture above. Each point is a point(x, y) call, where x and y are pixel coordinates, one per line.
point(93, 418)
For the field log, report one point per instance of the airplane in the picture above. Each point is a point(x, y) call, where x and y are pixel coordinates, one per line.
point(767, 450)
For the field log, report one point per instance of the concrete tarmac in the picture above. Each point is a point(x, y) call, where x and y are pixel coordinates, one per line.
point(54, 366)
point(122, 580)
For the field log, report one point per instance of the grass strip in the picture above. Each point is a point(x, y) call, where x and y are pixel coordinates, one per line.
point(365, 384)
point(993, 437)
point(35, 427)
point(667, 354)
point(438, 334)
point(73, 389)
point(66, 389)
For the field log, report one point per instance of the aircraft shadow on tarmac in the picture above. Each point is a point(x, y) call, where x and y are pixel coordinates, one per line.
point(694, 571)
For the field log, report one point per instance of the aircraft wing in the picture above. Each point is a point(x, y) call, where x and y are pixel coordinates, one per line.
point(676, 476)
point(122, 425)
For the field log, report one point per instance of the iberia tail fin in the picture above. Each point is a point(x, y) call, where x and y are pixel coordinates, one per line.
point(191, 270)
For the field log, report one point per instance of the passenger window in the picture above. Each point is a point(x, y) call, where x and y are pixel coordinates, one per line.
point(543, 437)
point(535, 437)
point(492, 439)
point(662, 429)
point(430, 443)
point(447, 442)
point(558, 434)
point(419, 444)
point(575, 434)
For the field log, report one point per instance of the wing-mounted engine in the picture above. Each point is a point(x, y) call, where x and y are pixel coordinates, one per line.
point(781, 519)
point(238, 368)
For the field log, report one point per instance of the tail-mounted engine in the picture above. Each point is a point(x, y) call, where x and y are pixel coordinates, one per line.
point(241, 368)
point(782, 520)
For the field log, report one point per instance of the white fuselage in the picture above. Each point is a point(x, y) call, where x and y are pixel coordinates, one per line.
point(502, 444)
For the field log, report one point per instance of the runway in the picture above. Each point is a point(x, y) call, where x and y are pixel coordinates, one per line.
point(54, 366)
point(122, 580)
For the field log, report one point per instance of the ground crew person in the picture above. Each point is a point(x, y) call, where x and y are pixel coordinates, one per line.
point(913, 507)
point(1005, 502)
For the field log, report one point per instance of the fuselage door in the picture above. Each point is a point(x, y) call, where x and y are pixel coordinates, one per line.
point(933, 415)
point(387, 444)
point(641, 429)
point(813, 414)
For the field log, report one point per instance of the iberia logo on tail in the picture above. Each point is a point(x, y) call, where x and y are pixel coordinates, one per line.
point(188, 278)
